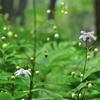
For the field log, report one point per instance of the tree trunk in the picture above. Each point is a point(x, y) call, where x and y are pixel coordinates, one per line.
point(52, 9)
point(21, 8)
point(7, 7)
point(97, 18)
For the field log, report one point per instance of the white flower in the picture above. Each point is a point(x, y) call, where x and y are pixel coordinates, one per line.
point(22, 72)
point(87, 36)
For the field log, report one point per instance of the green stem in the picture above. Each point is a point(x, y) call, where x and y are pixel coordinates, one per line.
point(37, 29)
point(85, 58)
point(34, 55)
point(13, 89)
point(84, 69)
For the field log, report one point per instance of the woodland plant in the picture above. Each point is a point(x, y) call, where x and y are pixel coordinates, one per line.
point(87, 82)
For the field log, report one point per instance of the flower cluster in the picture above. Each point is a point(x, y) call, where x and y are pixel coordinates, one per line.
point(87, 36)
point(22, 72)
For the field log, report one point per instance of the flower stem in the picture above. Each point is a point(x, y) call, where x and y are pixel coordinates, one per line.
point(84, 68)
point(34, 55)
point(13, 89)
point(85, 58)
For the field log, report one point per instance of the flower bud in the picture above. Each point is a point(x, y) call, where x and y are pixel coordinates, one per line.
point(89, 85)
point(56, 36)
point(46, 54)
point(10, 34)
point(80, 44)
point(12, 77)
point(88, 57)
point(62, 3)
point(81, 75)
point(96, 50)
point(37, 72)
point(73, 74)
point(65, 12)
point(4, 46)
point(48, 11)
point(62, 11)
point(15, 36)
point(80, 95)
point(4, 28)
point(22, 99)
point(3, 38)
point(48, 39)
point(17, 67)
point(73, 95)
point(29, 69)
point(32, 58)
point(54, 27)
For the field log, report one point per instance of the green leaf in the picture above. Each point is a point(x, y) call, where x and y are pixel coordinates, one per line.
point(23, 80)
point(89, 72)
point(94, 75)
point(5, 96)
point(44, 98)
point(49, 92)
point(1, 53)
point(11, 49)
point(73, 80)
point(1, 66)
point(19, 94)
point(5, 75)
point(67, 86)
point(82, 85)
point(92, 96)
point(96, 87)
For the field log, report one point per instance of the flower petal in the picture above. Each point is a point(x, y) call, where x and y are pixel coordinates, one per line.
point(81, 37)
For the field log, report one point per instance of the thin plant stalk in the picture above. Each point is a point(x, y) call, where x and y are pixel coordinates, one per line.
point(84, 68)
point(85, 57)
point(34, 55)
point(37, 29)
point(13, 89)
